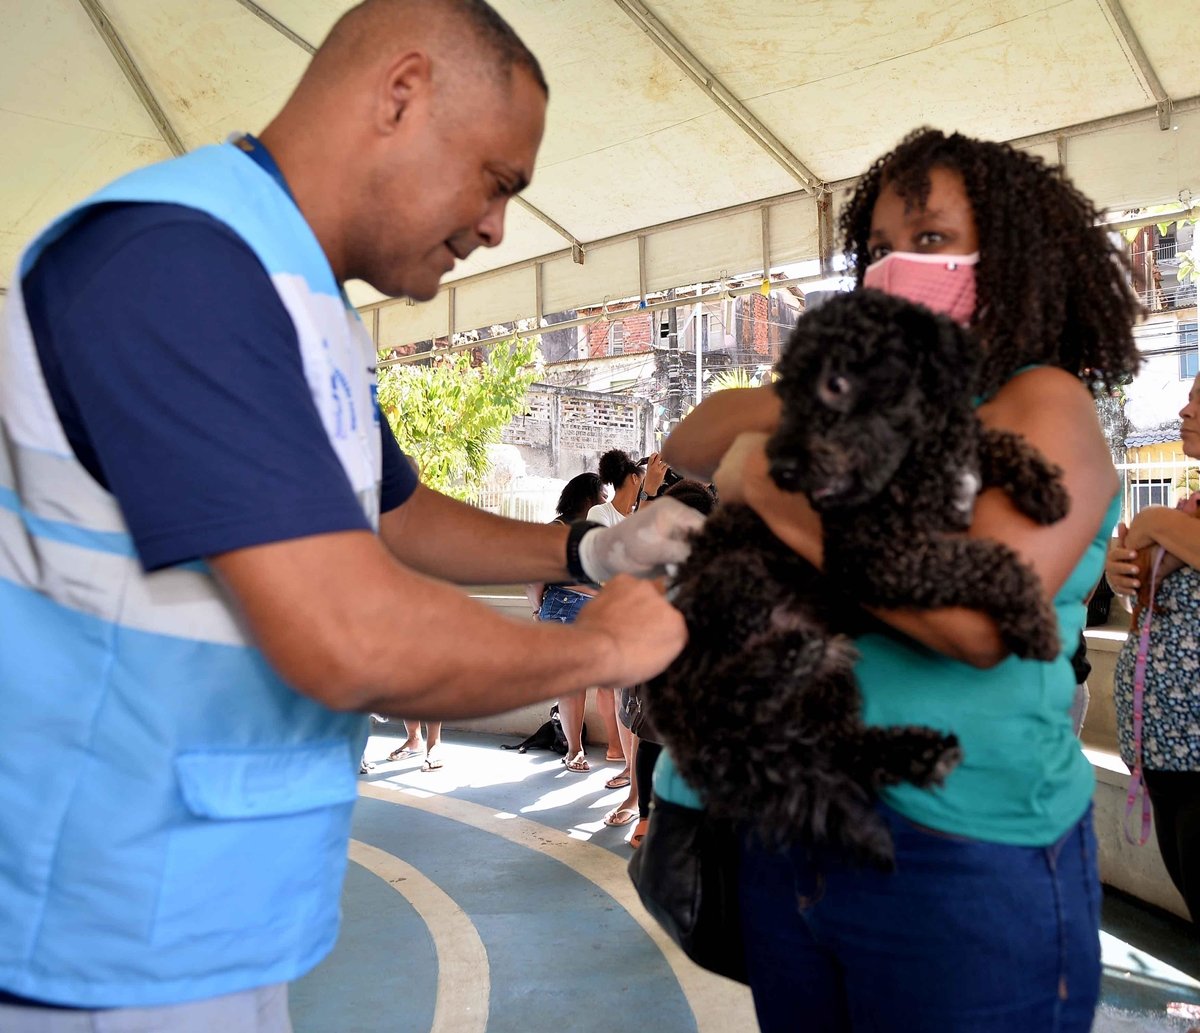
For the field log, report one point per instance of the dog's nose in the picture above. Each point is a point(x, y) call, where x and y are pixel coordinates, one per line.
point(785, 472)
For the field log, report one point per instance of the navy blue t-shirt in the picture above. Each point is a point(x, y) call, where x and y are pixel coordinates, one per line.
point(176, 374)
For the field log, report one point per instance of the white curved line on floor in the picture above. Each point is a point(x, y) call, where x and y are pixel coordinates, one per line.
point(464, 981)
point(718, 1005)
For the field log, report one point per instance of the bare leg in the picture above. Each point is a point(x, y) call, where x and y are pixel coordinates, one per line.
point(606, 704)
point(570, 714)
point(627, 811)
point(412, 742)
point(433, 739)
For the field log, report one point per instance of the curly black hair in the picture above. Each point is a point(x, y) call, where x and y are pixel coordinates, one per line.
point(1052, 289)
point(616, 466)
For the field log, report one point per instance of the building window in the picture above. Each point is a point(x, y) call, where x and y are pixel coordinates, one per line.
point(616, 339)
point(1149, 493)
point(1188, 365)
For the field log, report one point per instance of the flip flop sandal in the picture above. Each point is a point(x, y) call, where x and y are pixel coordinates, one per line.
point(639, 833)
point(403, 753)
point(577, 763)
point(617, 782)
point(621, 816)
point(430, 764)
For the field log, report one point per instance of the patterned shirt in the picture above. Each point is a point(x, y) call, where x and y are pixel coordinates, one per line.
point(1171, 711)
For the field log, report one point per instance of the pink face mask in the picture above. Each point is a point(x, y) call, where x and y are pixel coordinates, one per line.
point(943, 283)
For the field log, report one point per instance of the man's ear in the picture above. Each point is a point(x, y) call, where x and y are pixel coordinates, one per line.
point(406, 84)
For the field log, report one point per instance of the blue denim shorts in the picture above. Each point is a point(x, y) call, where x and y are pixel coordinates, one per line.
point(561, 604)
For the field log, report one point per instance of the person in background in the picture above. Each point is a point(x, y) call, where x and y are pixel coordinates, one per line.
point(630, 485)
point(562, 602)
point(1167, 745)
point(415, 746)
point(990, 920)
point(701, 498)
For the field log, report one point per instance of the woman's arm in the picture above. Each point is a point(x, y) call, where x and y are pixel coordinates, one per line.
point(696, 446)
point(1175, 530)
point(1055, 414)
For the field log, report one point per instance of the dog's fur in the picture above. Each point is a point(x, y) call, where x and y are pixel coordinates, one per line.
point(548, 736)
point(762, 712)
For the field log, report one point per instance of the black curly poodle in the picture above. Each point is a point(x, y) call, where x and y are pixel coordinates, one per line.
point(762, 711)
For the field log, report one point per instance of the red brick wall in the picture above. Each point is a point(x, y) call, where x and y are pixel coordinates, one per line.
point(639, 335)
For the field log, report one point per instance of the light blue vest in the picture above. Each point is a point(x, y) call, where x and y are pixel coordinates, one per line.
point(173, 817)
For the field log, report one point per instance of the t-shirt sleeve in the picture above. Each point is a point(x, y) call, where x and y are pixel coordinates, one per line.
point(176, 372)
point(399, 474)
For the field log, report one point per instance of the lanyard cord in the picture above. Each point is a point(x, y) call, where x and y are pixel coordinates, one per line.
point(1136, 781)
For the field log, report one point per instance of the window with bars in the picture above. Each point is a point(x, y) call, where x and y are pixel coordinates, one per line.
point(1155, 492)
point(1189, 361)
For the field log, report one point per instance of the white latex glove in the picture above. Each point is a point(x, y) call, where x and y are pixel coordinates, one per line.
point(643, 544)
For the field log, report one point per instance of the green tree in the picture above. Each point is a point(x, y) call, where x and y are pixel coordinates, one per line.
point(445, 414)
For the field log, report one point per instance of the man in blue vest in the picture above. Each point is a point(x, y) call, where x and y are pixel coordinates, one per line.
point(214, 559)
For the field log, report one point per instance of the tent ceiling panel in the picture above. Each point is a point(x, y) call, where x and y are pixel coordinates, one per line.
point(704, 250)
point(495, 299)
point(213, 66)
point(406, 322)
point(609, 272)
point(632, 142)
point(1015, 80)
point(792, 232)
point(682, 167)
point(1162, 164)
point(1170, 35)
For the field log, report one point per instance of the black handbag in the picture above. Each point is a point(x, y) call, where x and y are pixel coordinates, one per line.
point(686, 873)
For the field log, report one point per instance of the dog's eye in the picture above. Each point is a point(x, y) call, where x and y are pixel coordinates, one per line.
point(837, 385)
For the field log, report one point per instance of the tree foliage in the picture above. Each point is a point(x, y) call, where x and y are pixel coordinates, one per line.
point(445, 414)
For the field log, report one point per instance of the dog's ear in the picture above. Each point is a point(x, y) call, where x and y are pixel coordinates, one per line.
point(948, 356)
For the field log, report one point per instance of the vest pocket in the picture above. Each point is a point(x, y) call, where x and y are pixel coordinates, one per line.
point(255, 859)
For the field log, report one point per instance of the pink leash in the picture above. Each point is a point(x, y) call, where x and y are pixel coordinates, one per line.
point(1136, 782)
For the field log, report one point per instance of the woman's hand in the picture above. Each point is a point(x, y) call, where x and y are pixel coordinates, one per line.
point(1121, 569)
point(742, 477)
point(656, 473)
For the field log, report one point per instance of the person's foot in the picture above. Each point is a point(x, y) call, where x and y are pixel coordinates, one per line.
point(411, 748)
point(618, 781)
point(621, 816)
point(577, 762)
point(639, 832)
point(610, 759)
point(365, 767)
point(431, 762)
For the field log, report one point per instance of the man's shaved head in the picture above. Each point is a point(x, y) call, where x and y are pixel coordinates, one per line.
point(414, 125)
point(469, 32)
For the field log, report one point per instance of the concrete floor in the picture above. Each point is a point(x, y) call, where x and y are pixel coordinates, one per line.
point(489, 896)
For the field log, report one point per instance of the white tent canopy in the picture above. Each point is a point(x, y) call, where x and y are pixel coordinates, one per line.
point(687, 139)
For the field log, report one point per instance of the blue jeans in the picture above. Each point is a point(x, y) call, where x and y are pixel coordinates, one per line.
point(962, 936)
point(561, 604)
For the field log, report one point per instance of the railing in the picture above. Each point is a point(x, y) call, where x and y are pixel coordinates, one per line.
point(533, 504)
point(1159, 479)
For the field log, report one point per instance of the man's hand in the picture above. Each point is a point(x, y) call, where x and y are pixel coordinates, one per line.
point(644, 544)
point(646, 632)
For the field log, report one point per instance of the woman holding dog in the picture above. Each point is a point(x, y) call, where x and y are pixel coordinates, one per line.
point(990, 920)
point(1169, 740)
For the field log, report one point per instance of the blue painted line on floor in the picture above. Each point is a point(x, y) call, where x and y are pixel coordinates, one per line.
point(562, 953)
point(381, 976)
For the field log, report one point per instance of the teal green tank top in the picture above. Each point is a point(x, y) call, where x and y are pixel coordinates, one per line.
point(1023, 779)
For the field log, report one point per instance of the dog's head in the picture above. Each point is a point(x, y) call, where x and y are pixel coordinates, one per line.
point(861, 378)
